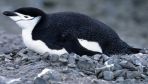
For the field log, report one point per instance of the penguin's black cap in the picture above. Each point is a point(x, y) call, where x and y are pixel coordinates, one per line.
point(30, 11)
point(34, 12)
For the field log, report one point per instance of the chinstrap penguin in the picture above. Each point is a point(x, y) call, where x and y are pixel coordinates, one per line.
point(66, 32)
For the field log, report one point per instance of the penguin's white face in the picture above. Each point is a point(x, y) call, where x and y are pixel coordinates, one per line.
point(21, 17)
point(22, 20)
point(25, 21)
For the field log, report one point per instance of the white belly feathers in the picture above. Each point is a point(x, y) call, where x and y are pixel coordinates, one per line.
point(38, 45)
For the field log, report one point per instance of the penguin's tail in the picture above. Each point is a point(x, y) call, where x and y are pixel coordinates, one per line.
point(134, 50)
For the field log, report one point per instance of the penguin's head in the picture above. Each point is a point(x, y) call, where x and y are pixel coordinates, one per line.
point(24, 17)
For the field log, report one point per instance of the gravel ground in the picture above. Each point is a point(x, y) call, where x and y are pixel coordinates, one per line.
point(129, 18)
point(19, 65)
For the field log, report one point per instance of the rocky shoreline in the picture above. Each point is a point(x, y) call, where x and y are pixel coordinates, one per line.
point(19, 65)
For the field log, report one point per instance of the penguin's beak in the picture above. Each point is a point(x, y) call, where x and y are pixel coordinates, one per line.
point(9, 13)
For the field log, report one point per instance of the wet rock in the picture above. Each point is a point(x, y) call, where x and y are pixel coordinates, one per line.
point(108, 75)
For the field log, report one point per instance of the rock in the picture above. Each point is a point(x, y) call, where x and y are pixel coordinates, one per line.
point(16, 66)
point(128, 81)
point(72, 65)
point(10, 68)
point(2, 57)
point(86, 64)
point(144, 51)
point(118, 73)
point(96, 57)
point(4, 80)
point(99, 75)
point(39, 80)
point(7, 60)
point(64, 59)
point(8, 57)
point(49, 74)
point(117, 67)
point(71, 59)
point(119, 79)
point(101, 81)
point(105, 57)
point(133, 75)
point(66, 70)
point(101, 68)
point(53, 58)
point(24, 57)
point(108, 75)
point(140, 68)
point(18, 60)
point(128, 65)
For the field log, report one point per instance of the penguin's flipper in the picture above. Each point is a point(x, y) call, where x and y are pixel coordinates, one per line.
point(71, 44)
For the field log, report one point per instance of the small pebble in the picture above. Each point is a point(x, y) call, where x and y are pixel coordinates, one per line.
point(10, 68)
point(53, 58)
point(96, 57)
point(119, 79)
point(71, 65)
point(64, 59)
point(39, 80)
point(108, 75)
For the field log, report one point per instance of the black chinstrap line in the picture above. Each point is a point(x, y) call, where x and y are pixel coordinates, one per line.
point(23, 19)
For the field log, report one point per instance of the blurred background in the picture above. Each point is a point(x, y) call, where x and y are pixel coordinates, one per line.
point(129, 18)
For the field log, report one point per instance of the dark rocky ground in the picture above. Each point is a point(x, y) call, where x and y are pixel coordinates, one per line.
point(19, 65)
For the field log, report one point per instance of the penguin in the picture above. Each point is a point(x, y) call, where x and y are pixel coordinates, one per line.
point(67, 32)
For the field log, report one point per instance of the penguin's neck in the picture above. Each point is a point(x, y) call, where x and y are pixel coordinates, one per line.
point(27, 30)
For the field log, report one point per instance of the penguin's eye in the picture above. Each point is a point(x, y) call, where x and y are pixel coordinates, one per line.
point(26, 16)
